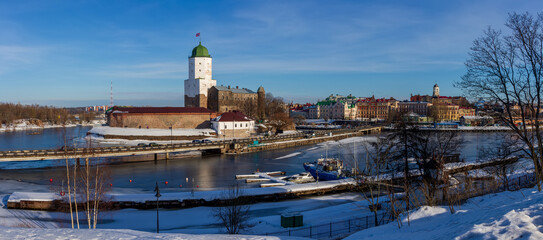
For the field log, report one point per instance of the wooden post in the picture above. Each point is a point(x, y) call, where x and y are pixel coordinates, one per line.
point(167, 155)
point(156, 157)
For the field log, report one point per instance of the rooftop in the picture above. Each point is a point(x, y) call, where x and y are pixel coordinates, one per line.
point(159, 110)
point(234, 90)
point(232, 116)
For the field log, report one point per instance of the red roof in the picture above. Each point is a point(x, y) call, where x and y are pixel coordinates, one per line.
point(232, 116)
point(161, 110)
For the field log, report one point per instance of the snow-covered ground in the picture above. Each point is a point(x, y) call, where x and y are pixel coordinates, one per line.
point(505, 215)
point(265, 217)
point(83, 234)
point(25, 125)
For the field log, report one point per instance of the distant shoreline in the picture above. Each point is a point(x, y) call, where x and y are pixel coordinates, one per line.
point(34, 127)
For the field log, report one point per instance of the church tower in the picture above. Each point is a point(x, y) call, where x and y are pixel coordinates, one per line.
point(200, 80)
point(436, 91)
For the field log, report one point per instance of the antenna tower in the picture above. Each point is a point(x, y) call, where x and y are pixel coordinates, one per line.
point(111, 94)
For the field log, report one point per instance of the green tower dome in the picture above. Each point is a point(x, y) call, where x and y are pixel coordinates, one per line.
point(200, 51)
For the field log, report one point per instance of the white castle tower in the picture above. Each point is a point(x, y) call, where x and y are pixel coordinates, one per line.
point(200, 80)
point(436, 91)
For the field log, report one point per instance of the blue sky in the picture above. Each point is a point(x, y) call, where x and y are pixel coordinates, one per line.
point(65, 53)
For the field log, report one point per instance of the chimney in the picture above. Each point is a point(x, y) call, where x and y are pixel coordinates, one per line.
point(228, 86)
point(236, 87)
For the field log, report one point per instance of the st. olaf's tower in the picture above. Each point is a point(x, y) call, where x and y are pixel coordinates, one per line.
point(199, 82)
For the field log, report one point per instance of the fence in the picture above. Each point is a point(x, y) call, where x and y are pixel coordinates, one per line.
point(515, 183)
point(341, 228)
point(334, 229)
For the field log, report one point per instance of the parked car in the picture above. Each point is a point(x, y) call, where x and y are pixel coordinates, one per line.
point(153, 144)
point(196, 141)
point(66, 148)
point(142, 145)
point(206, 141)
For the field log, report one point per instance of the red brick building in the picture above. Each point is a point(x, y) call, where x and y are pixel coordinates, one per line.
point(160, 117)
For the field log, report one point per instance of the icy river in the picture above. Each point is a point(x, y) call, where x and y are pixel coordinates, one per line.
point(208, 172)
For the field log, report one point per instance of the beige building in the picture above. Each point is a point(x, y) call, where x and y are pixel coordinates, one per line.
point(376, 108)
point(330, 109)
point(420, 108)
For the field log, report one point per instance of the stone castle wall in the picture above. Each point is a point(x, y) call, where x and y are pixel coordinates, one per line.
point(198, 101)
point(160, 120)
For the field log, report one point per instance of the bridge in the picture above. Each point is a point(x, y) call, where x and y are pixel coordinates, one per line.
point(221, 146)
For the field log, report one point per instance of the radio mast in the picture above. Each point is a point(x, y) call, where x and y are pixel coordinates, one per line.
point(111, 94)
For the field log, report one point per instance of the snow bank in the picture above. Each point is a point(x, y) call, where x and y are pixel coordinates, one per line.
point(23, 125)
point(506, 215)
point(30, 233)
point(117, 131)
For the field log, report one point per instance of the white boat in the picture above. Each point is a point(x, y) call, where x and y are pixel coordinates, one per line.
point(303, 177)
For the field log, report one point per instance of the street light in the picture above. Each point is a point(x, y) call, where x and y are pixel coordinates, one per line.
point(171, 136)
point(157, 195)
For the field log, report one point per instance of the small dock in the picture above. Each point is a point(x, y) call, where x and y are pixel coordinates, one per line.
point(176, 200)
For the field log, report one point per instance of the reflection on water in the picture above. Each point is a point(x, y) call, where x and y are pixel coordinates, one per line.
point(218, 171)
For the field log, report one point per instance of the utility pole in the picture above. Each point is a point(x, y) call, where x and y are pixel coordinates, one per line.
point(157, 195)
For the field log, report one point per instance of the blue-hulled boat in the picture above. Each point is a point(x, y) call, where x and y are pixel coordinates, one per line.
point(326, 169)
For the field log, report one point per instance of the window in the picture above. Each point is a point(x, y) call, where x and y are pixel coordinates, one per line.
point(235, 125)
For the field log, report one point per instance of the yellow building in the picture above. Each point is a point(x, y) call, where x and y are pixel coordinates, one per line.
point(445, 112)
point(372, 108)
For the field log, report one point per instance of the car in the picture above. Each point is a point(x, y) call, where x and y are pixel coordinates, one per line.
point(63, 148)
point(206, 141)
point(196, 141)
point(142, 145)
point(153, 144)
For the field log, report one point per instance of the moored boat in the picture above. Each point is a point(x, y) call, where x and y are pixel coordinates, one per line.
point(326, 169)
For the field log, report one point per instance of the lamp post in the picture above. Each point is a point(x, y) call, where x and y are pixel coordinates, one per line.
point(157, 195)
point(171, 136)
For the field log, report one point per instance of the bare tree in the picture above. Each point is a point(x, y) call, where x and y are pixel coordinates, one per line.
point(234, 214)
point(370, 179)
point(508, 69)
point(507, 148)
point(431, 149)
point(86, 186)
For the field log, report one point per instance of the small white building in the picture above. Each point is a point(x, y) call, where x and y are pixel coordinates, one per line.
point(233, 124)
